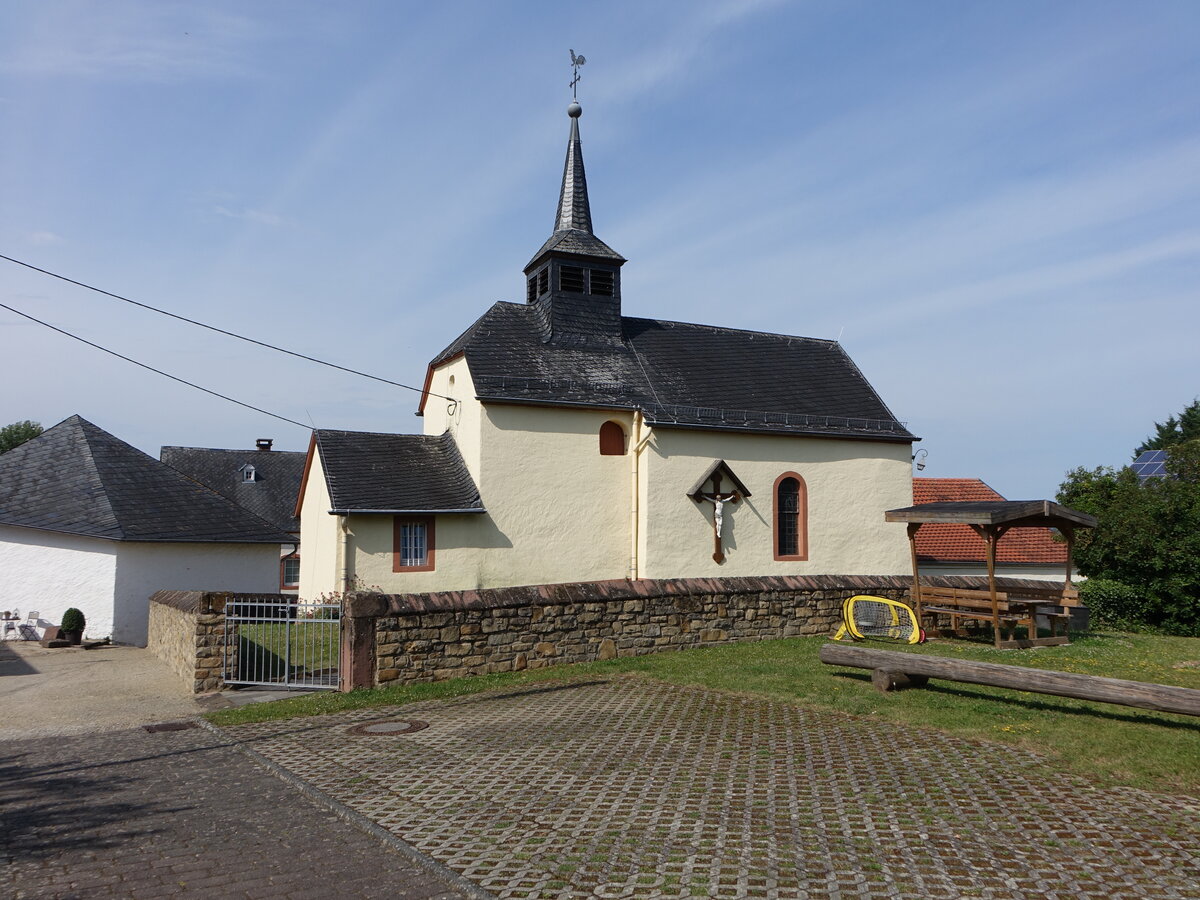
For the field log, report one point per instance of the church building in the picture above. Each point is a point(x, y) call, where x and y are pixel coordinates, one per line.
point(565, 442)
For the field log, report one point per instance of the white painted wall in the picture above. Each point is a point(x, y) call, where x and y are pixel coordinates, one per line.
point(850, 485)
point(143, 568)
point(50, 572)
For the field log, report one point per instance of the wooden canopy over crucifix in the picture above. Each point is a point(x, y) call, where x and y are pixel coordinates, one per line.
point(718, 486)
point(990, 520)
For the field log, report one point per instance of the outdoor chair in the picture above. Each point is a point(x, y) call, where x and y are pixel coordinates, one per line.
point(29, 628)
point(11, 632)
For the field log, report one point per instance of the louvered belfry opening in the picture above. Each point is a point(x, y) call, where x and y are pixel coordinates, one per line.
point(574, 280)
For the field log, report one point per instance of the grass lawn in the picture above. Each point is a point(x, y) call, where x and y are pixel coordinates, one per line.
point(1111, 745)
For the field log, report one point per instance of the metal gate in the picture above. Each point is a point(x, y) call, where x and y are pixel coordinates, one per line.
point(273, 640)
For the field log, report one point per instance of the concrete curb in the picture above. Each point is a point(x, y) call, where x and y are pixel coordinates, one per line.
point(359, 821)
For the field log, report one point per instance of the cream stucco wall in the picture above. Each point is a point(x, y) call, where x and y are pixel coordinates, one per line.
point(463, 417)
point(850, 485)
point(143, 568)
point(319, 569)
point(48, 572)
point(557, 510)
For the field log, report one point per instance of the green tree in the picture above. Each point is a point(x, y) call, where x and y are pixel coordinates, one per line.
point(1148, 539)
point(1174, 431)
point(18, 433)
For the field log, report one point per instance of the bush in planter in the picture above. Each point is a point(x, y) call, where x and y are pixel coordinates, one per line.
point(72, 625)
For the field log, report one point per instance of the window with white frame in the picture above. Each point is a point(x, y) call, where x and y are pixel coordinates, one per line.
point(412, 544)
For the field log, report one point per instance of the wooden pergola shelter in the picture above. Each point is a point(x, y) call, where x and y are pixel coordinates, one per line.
point(990, 520)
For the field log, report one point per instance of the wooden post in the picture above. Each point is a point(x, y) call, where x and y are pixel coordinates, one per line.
point(990, 539)
point(1069, 592)
point(913, 528)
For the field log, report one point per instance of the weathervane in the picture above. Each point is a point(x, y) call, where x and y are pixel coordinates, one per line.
point(576, 62)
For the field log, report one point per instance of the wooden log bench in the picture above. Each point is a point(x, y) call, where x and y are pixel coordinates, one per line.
point(891, 670)
point(1009, 613)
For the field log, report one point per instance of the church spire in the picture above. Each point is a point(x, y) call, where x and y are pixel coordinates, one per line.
point(573, 282)
point(574, 211)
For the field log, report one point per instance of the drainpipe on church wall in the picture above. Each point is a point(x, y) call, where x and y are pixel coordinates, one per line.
point(636, 444)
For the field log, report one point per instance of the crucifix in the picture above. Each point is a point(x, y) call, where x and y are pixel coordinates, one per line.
point(718, 499)
point(576, 62)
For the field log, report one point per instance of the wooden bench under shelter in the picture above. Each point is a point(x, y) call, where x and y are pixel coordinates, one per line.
point(1004, 610)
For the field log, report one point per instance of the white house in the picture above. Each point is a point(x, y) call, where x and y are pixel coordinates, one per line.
point(88, 521)
point(263, 480)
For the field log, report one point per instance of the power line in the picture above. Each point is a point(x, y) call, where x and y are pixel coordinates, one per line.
point(151, 368)
point(232, 334)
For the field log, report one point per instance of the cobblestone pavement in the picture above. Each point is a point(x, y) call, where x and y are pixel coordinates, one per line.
point(630, 788)
point(178, 814)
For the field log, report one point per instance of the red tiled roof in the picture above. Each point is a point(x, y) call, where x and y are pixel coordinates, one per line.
point(958, 543)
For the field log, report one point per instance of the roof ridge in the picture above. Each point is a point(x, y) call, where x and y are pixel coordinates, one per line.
point(378, 433)
point(706, 326)
point(185, 481)
point(94, 468)
point(273, 451)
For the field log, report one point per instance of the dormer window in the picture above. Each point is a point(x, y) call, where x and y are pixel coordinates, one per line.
point(248, 474)
point(570, 279)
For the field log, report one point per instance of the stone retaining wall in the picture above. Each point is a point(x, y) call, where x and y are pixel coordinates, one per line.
point(431, 637)
point(187, 632)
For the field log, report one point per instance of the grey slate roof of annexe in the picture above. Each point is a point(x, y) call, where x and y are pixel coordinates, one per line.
point(680, 374)
point(79, 479)
point(395, 473)
point(271, 496)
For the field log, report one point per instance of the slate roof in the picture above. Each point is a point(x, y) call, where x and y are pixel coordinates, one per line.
point(946, 543)
point(680, 374)
point(395, 473)
point(79, 479)
point(271, 496)
point(573, 217)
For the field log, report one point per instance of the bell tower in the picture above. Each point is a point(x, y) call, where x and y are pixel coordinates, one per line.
point(574, 280)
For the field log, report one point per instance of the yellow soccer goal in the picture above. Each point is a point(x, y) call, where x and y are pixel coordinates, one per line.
point(877, 617)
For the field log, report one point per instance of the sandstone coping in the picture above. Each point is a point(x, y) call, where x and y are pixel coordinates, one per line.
point(361, 604)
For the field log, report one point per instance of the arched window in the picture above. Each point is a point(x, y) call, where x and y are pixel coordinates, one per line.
point(791, 517)
point(612, 439)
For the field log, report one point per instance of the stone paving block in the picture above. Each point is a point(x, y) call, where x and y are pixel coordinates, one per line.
point(127, 814)
point(631, 788)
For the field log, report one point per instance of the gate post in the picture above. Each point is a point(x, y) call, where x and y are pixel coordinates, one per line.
point(360, 610)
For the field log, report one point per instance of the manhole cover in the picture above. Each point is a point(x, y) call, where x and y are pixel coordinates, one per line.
point(386, 727)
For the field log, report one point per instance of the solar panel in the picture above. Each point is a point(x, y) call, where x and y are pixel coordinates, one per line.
point(1150, 464)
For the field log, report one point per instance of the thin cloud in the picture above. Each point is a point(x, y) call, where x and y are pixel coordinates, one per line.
point(141, 42)
point(257, 216)
point(42, 238)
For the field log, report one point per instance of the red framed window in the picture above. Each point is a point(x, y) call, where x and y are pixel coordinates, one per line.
point(289, 571)
point(790, 497)
point(412, 544)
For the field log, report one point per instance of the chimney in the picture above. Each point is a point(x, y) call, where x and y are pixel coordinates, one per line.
point(264, 443)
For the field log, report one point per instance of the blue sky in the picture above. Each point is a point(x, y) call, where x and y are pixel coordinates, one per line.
point(993, 205)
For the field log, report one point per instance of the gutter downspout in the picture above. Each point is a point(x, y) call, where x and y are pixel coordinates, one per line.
point(637, 444)
point(343, 562)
